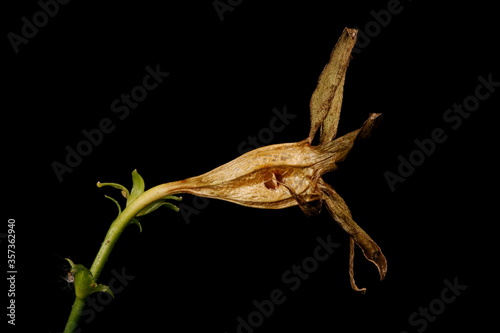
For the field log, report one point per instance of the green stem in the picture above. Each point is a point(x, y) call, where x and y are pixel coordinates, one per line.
point(114, 232)
point(74, 316)
point(122, 221)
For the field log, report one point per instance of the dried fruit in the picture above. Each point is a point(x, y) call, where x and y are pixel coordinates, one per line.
point(289, 174)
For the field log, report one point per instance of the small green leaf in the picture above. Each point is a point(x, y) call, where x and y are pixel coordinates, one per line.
point(137, 187)
point(72, 264)
point(84, 281)
point(137, 223)
point(150, 208)
point(172, 197)
point(103, 289)
point(117, 204)
point(124, 190)
point(157, 204)
point(171, 206)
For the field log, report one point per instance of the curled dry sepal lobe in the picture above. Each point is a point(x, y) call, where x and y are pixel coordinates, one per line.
point(337, 207)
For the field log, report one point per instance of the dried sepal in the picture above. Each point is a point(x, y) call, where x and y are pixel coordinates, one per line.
point(351, 267)
point(369, 126)
point(326, 100)
point(338, 209)
point(246, 179)
point(312, 208)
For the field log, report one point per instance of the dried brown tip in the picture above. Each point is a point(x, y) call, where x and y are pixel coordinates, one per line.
point(372, 252)
point(338, 209)
point(351, 268)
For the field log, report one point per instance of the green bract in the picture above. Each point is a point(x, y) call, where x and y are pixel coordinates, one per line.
point(138, 187)
point(85, 283)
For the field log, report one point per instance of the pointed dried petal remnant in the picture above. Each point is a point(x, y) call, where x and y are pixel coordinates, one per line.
point(337, 207)
point(326, 100)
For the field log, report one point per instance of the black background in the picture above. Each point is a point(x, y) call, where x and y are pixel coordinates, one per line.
point(225, 79)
